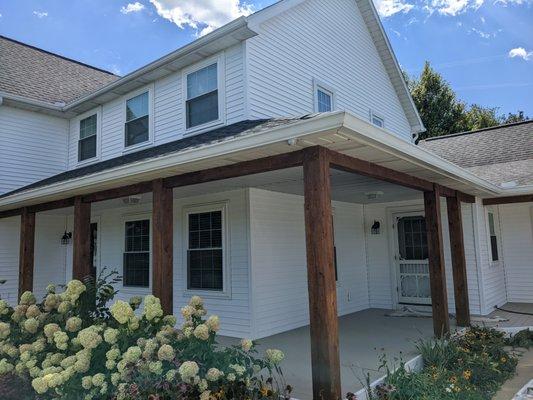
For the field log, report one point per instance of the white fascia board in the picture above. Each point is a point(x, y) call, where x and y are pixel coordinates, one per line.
point(239, 143)
point(384, 140)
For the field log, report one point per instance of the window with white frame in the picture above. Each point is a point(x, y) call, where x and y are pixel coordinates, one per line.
point(202, 102)
point(377, 120)
point(136, 267)
point(324, 99)
point(87, 139)
point(205, 250)
point(137, 129)
point(493, 235)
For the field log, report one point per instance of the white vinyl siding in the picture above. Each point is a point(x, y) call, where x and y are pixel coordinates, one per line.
point(167, 120)
point(288, 54)
point(279, 269)
point(33, 147)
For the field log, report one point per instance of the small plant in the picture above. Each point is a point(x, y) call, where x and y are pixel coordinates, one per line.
point(521, 339)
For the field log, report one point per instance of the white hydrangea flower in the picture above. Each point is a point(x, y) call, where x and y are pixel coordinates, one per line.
point(188, 370)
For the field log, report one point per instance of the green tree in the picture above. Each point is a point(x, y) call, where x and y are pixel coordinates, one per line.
point(478, 117)
point(441, 112)
point(512, 118)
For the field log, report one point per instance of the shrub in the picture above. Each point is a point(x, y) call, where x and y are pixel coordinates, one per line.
point(470, 367)
point(70, 346)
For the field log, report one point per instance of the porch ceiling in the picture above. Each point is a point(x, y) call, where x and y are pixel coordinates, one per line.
point(337, 131)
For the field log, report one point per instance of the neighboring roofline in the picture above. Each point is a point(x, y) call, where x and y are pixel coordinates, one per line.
point(341, 121)
point(58, 55)
point(490, 128)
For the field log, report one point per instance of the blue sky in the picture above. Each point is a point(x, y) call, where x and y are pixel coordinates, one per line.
point(484, 48)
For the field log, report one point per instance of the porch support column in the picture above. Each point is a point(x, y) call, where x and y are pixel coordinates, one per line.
point(81, 262)
point(321, 276)
point(27, 250)
point(162, 248)
point(437, 274)
point(460, 285)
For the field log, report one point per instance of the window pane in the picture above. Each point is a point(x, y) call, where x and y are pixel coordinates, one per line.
point(205, 254)
point(137, 131)
point(412, 238)
point(136, 269)
point(494, 248)
point(137, 236)
point(202, 109)
point(202, 81)
point(137, 107)
point(377, 121)
point(491, 224)
point(87, 148)
point(324, 101)
point(88, 127)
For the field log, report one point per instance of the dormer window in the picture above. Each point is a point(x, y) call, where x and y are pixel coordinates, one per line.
point(137, 120)
point(202, 104)
point(87, 138)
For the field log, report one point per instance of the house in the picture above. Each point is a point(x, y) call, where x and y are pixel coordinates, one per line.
point(270, 167)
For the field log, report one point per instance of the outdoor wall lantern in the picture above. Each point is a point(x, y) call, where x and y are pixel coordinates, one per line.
point(65, 239)
point(375, 229)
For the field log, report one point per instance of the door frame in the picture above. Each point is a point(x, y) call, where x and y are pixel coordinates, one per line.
point(392, 214)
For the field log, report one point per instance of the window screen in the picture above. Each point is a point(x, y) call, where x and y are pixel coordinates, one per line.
point(137, 253)
point(87, 141)
point(412, 238)
point(493, 238)
point(137, 120)
point(205, 252)
point(202, 96)
point(324, 100)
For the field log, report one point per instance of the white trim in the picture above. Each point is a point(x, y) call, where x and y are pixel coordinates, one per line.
point(77, 120)
point(324, 88)
point(141, 216)
point(151, 114)
point(221, 87)
point(223, 207)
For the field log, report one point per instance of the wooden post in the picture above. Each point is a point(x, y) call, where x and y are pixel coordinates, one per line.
point(162, 244)
point(321, 276)
point(460, 284)
point(82, 262)
point(27, 250)
point(437, 274)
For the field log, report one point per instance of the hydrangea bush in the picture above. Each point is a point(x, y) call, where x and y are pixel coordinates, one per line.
point(67, 352)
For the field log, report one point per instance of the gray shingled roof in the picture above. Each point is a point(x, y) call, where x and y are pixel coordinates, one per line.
point(40, 75)
point(499, 154)
point(238, 129)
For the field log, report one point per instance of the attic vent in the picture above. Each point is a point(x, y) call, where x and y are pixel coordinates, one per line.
point(131, 200)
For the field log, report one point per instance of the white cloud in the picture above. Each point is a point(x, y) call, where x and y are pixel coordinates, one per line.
point(484, 35)
point(510, 2)
point(521, 53)
point(202, 15)
point(387, 8)
point(132, 7)
point(40, 14)
point(451, 7)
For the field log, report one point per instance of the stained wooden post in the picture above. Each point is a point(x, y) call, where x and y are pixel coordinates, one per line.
point(81, 262)
point(27, 250)
point(437, 274)
point(321, 276)
point(162, 251)
point(460, 284)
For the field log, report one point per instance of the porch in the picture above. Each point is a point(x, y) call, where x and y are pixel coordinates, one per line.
point(364, 337)
point(342, 160)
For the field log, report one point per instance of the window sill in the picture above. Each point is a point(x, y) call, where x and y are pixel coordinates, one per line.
point(207, 294)
point(204, 127)
point(87, 161)
point(136, 147)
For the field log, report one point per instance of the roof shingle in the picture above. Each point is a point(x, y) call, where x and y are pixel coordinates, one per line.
point(40, 75)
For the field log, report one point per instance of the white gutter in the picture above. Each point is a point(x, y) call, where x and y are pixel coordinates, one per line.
point(32, 102)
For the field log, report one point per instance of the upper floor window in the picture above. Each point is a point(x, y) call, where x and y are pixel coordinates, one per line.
point(323, 99)
point(136, 266)
point(137, 120)
point(377, 120)
point(493, 233)
point(87, 139)
point(202, 104)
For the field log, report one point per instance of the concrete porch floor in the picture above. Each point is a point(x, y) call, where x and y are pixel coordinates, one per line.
point(363, 336)
point(521, 317)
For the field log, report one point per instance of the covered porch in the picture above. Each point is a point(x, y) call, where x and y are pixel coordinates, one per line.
point(334, 157)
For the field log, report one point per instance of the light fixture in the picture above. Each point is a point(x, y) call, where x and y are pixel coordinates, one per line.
point(374, 195)
point(292, 141)
point(65, 239)
point(131, 200)
point(375, 229)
